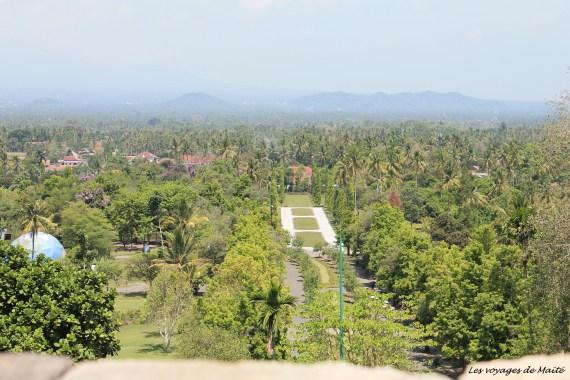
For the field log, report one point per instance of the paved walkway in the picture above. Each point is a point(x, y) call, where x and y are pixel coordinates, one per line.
point(325, 227)
point(294, 280)
point(326, 230)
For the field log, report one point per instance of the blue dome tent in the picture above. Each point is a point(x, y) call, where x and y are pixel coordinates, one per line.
point(44, 244)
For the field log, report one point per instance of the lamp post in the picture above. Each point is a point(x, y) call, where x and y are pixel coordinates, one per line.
point(340, 300)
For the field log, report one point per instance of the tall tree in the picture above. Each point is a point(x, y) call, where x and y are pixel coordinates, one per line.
point(276, 307)
point(35, 219)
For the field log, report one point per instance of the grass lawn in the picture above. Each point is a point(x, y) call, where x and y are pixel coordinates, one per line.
point(302, 211)
point(128, 302)
point(324, 272)
point(138, 340)
point(310, 239)
point(305, 224)
point(141, 341)
point(297, 200)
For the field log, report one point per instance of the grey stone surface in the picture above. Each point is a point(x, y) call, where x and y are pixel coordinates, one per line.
point(43, 367)
point(204, 370)
point(33, 367)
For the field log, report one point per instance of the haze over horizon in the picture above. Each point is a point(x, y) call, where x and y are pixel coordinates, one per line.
point(147, 50)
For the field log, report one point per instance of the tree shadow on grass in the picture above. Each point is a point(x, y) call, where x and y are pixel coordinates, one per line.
point(134, 294)
point(151, 334)
point(147, 348)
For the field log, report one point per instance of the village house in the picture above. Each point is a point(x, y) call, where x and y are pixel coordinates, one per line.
point(146, 156)
point(69, 161)
point(305, 174)
point(301, 177)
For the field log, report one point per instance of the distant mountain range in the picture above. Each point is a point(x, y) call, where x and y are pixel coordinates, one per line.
point(415, 104)
point(197, 101)
point(405, 105)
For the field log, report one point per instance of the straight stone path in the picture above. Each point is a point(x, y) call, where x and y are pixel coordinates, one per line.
point(294, 280)
point(325, 227)
point(326, 230)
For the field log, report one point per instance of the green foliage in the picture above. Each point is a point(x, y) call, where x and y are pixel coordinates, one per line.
point(86, 231)
point(309, 272)
point(128, 215)
point(169, 298)
point(373, 332)
point(549, 281)
point(253, 261)
point(199, 341)
point(47, 307)
point(112, 269)
point(142, 266)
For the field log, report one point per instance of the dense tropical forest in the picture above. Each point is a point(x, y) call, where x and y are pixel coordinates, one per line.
point(174, 246)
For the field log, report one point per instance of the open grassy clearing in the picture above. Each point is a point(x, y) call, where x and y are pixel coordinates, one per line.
point(141, 341)
point(138, 340)
point(125, 303)
point(310, 239)
point(302, 211)
point(297, 200)
point(305, 224)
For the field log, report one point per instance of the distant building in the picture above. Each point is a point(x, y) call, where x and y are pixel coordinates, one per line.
point(305, 175)
point(300, 178)
point(69, 161)
point(72, 161)
point(85, 153)
point(146, 156)
point(193, 161)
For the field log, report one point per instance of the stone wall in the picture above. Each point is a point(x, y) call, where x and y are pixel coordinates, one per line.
point(43, 367)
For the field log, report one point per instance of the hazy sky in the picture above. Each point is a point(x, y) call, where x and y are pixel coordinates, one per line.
point(505, 49)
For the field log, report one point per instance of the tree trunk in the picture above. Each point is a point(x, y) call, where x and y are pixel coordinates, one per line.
point(33, 243)
point(160, 232)
point(270, 353)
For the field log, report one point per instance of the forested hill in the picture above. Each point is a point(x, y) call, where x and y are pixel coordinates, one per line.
point(428, 105)
point(419, 104)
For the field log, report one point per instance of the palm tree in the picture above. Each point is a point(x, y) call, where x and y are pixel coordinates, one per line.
point(276, 306)
point(376, 169)
point(394, 167)
point(179, 246)
point(176, 148)
point(35, 219)
point(16, 164)
point(341, 174)
point(353, 164)
point(418, 164)
point(227, 152)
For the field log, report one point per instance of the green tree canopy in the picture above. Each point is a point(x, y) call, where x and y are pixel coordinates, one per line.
point(48, 307)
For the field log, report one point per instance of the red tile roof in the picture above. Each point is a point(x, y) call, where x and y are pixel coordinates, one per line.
point(307, 171)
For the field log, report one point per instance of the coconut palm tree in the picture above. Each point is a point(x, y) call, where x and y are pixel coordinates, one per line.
point(353, 164)
point(394, 166)
point(418, 164)
point(376, 169)
point(275, 306)
point(179, 246)
point(35, 219)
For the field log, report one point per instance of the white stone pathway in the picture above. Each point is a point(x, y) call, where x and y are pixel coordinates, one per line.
point(319, 215)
